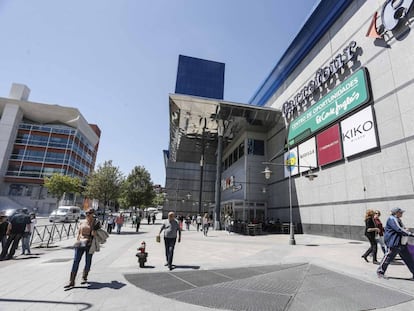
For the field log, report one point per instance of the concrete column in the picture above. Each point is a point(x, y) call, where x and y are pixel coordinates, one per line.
point(11, 117)
point(220, 132)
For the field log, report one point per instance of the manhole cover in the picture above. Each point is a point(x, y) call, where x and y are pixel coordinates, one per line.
point(58, 260)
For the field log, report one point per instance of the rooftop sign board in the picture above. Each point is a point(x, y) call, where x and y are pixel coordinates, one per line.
point(343, 99)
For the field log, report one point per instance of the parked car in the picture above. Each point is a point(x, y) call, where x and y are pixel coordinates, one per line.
point(10, 212)
point(65, 214)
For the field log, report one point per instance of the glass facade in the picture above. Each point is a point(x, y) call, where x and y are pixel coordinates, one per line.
point(40, 151)
point(200, 77)
point(255, 147)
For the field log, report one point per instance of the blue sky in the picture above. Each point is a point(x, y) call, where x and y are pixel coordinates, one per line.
point(116, 60)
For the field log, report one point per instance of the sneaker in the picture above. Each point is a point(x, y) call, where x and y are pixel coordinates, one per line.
point(381, 275)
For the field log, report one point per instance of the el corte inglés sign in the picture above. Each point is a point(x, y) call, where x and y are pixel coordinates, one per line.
point(347, 96)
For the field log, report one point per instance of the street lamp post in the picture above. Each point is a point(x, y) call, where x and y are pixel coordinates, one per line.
point(267, 172)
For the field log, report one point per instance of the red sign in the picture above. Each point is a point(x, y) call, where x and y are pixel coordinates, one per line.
point(329, 145)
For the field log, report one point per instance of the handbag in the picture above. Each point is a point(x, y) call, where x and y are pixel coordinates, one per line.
point(81, 243)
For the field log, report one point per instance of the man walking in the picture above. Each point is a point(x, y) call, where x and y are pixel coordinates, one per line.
point(198, 221)
point(395, 238)
point(171, 228)
point(15, 231)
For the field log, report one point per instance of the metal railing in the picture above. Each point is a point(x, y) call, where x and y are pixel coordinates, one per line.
point(45, 235)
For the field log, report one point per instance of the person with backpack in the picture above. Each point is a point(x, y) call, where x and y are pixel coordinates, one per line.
point(396, 236)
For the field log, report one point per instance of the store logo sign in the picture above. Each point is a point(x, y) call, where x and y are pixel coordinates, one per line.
point(392, 12)
point(329, 145)
point(291, 162)
point(322, 76)
point(359, 132)
point(346, 97)
point(307, 155)
point(227, 183)
point(236, 188)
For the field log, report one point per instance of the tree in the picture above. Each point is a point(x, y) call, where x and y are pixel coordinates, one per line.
point(105, 183)
point(138, 189)
point(158, 200)
point(58, 184)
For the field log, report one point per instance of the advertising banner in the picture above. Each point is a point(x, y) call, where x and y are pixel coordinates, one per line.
point(291, 162)
point(359, 132)
point(329, 145)
point(307, 155)
point(347, 96)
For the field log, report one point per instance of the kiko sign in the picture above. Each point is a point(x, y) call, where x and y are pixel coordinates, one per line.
point(359, 132)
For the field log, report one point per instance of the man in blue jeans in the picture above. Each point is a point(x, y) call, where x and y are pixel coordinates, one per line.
point(171, 228)
point(394, 239)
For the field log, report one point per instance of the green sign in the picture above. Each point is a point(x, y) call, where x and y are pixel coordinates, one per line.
point(347, 96)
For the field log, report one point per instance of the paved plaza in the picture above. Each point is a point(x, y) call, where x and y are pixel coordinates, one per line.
point(218, 272)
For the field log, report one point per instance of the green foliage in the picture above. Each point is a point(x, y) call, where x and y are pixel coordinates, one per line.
point(138, 189)
point(158, 200)
point(58, 184)
point(105, 183)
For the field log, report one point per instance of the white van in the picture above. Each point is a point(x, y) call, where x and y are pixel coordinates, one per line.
point(65, 213)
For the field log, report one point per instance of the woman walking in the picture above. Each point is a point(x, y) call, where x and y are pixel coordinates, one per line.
point(87, 230)
point(380, 236)
point(110, 223)
point(370, 231)
point(206, 224)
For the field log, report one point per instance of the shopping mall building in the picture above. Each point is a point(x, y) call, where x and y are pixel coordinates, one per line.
point(36, 141)
point(338, 106)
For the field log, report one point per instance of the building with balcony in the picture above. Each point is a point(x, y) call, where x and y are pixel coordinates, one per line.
point(38, 140)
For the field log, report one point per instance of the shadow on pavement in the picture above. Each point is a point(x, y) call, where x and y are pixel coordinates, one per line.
point(147, 267)
point(186, 267)
point(27, 257)
point(82, 305)
point(397, 278)
point(126, 233)
point(113, 285)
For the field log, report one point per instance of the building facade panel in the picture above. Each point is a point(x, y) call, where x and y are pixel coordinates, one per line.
point(200, 77)
point(379, 178)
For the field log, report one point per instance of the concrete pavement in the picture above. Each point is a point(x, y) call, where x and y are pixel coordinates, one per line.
point(257, 272)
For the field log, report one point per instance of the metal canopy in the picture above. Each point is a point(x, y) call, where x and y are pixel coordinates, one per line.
point(194, 121)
